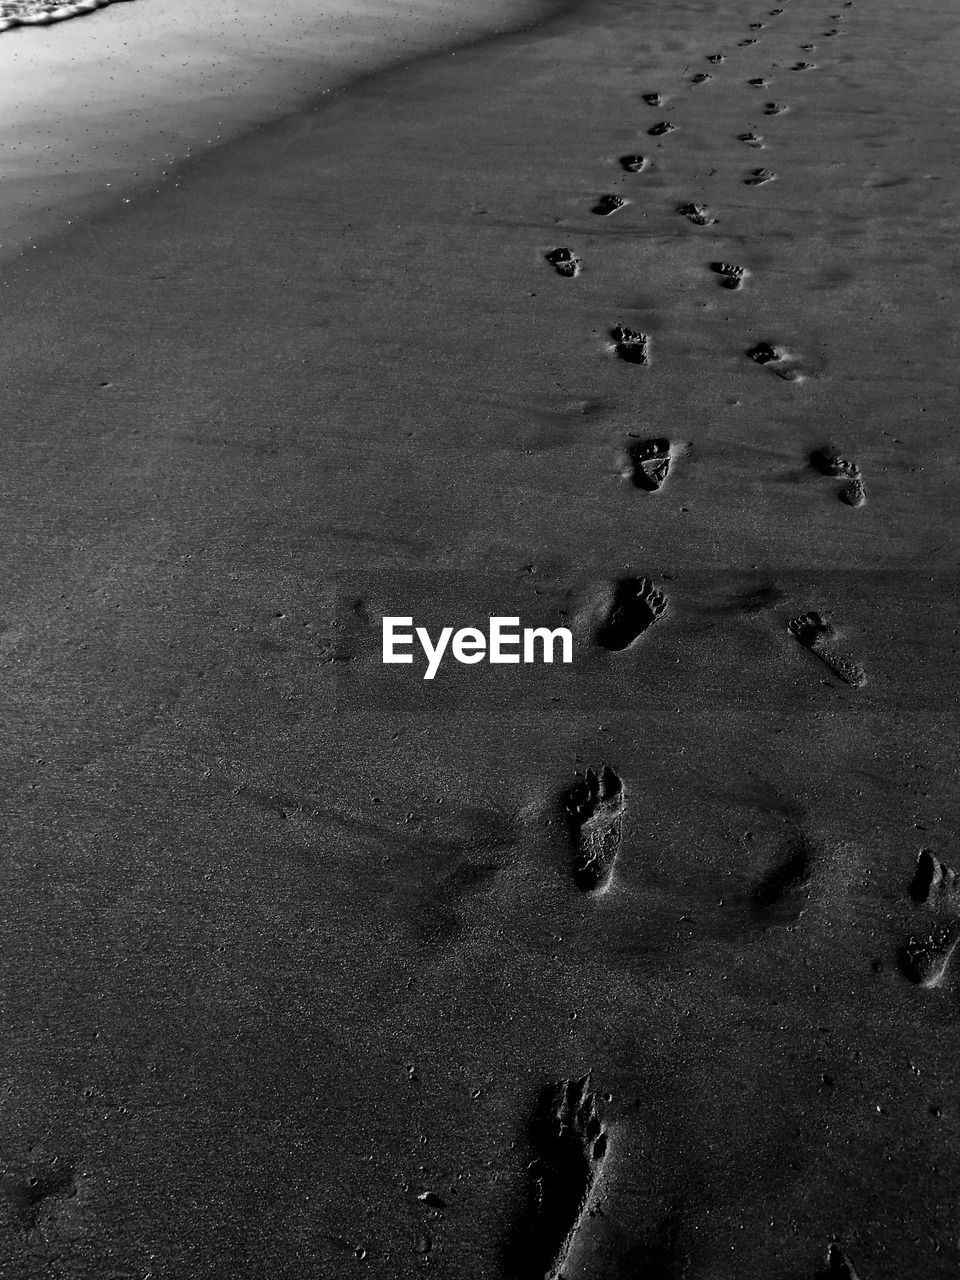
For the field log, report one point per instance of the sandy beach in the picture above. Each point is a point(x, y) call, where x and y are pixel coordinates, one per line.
point(101, 108)
point(640, 966)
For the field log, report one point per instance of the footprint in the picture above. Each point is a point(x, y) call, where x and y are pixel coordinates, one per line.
point(700, 77)
point(854, 494)
point(934, 884)
point(777, 360)
point(829, 463)
point(751, 139)
point(570, 1146)
point(757, 26)
point(812, 631)
point(594, 809)
point(631, 345)
point(758, 82)
point(838, 1265)
point(775, 108)
point(634, 164)
point(775, 12)
point(608, 204)
point(653, 99)
point(924, 960)
point(924, 957)
point(749, 40)
point(660, 128)
point(635, 607)
point(697, 214)
point(803, 66)
point(765, 353)
point(716, 57)
point(564, 261)
point(759, 176)
point(731, 275)
point(648, 463)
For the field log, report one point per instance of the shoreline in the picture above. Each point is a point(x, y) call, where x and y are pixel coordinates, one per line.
point(304, 956)
point(55, 14)
point(114, 107)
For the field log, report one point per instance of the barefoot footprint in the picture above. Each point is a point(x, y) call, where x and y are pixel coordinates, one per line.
point(634, 164)
point(765, 353)
point(731, 275)
point(648, 463)
point(564, 261)
point(778, 361)
point(636, 606)
point(594, 809)
point(631, 345)
point(697, 214)
point(812, 632)
point(759, 176)
point(570, 1146)
point(608, 204)
point(830, 463)
point(838, 1265)
point(660, 128)
point(925, 955)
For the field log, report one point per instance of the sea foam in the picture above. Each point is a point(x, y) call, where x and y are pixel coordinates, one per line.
point(40, 13)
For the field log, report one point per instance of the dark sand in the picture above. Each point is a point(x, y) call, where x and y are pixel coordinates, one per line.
point(292, 939)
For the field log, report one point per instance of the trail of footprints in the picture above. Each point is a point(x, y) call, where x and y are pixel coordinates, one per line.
point(567, 1135)
point(636, 604)
point(632, 345)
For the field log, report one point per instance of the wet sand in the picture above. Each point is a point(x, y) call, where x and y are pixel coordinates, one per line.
point(312, 967)
point(101, 107)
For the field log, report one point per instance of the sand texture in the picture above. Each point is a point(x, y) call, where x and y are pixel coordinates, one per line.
point(95, 112)
point(637, 967)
